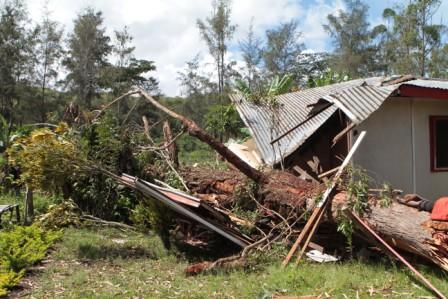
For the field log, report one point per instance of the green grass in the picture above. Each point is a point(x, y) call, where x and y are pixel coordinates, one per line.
point(108, 263)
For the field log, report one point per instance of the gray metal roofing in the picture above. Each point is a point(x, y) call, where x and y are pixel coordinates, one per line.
point(359, 102)
point(293, 110)
point(439, 84)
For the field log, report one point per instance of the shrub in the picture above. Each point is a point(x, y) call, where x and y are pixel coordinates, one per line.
point(8, 279)
point(21, 247)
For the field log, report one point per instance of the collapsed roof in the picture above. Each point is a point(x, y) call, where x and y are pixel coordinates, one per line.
point(302, 112)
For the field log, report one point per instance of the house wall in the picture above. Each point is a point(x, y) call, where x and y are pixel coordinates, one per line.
point(397, 148)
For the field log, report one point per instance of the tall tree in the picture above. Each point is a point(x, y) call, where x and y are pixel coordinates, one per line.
point(123, 51)
point(414, 38)
point(251, 49)
point(49, 53)
point(438, 65)
point(217, 31)
point(16, 57)
point(351, 36)
point(128, 70)
point(282, 49)
point(429, 35)
point(199, 91)
point(88, 48)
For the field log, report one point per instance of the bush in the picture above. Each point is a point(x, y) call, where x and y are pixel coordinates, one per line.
point(21, 247)
point(8, 279)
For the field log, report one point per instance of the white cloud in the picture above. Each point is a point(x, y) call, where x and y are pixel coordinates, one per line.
point(165, 30)
point(314, 35)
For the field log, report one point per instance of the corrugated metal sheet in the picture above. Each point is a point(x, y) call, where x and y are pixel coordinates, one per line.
point(439, 84)
point(360, 102)
point(293, 110)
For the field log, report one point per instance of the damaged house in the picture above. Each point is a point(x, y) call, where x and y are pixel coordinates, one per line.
point(313, 129)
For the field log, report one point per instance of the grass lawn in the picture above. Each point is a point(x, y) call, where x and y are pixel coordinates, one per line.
point(108, 263)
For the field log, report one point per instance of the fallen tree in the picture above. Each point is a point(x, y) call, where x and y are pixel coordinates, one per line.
point(403, 227)
point(283, 193)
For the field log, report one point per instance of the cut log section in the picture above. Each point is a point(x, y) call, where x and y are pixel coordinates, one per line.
point(404, 228)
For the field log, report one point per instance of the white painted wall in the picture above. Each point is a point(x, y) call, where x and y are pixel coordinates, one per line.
point(397, 149)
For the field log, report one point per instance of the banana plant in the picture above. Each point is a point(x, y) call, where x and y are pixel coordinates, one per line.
point(266, 95)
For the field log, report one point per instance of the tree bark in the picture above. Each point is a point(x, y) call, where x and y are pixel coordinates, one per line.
point(404, 228)
point(194, 130)
point(171, 146)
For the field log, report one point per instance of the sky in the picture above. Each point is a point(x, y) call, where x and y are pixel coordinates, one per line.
point(165, 31)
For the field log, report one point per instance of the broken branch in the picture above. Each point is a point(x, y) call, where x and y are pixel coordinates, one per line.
point(194, 130)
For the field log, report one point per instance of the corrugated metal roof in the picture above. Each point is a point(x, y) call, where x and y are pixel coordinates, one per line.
point(293, 110)
point(440, 84)
point(358, 99)
point(359, 102)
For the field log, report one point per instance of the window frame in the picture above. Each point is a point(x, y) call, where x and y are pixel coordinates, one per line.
point(432, 133)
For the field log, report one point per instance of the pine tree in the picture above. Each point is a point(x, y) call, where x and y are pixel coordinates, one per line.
point(88, 48)
point(281, 50)
point(49, 53)
point(217, 31)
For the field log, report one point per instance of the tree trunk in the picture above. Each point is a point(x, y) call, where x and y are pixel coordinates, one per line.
point(29, 206)
point(173, 152)
point(404, 228)
point(401, 226)
point(194, 130)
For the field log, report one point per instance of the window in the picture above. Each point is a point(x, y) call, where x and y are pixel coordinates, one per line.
point(439, 143)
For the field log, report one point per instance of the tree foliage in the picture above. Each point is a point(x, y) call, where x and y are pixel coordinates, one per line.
point(352, 38)
point(46, 159)
point(413, 39)
point(216, 31)
point(281, 50)
point(88, 48)
point(49, 52)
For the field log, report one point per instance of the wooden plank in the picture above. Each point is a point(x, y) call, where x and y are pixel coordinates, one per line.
point(327, 173)
point(396, 254)
point(317, 247)
point(5, 208)
point(303, 174)
point(342, 134)
point(323, 201)
point(311, 234)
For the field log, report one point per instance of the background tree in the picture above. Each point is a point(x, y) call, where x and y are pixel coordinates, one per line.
point(217, 32)
point(352, 39)
point(16, 59)
point(199, 91)
point(281, 50)
point(429, 35)
point(49, 52)
point(88, 48)
point(438, 65)
point(251, 51)
point(414, 37)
